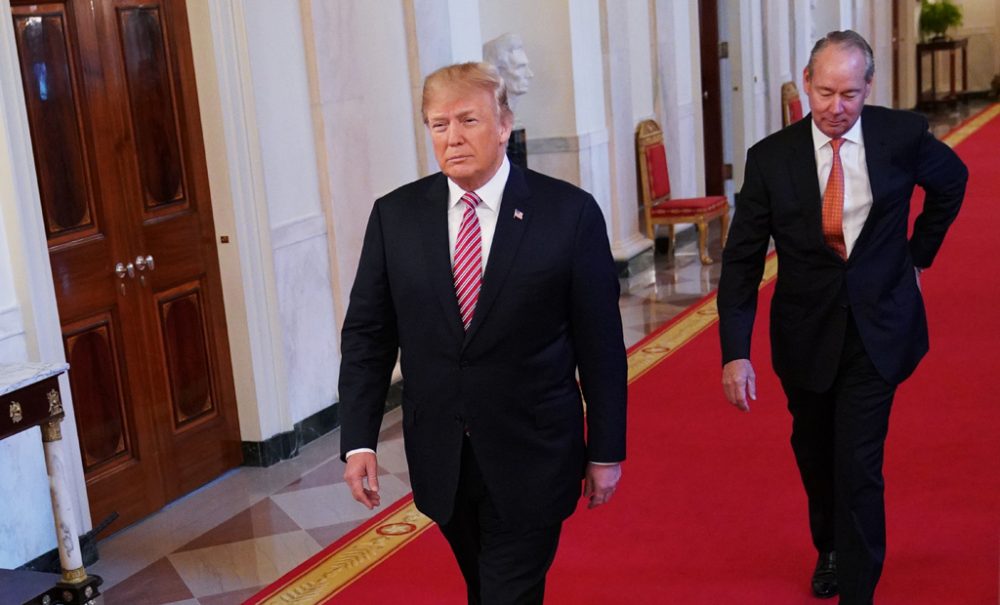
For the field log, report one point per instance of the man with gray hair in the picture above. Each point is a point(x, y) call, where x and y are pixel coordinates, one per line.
point(847, 318)
point(495, 286)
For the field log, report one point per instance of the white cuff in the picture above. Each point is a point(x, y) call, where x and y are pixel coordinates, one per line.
point(358, 451)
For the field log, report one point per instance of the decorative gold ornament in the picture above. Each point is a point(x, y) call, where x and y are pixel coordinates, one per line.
point(51, 431)
point(55, 403)
point(16, 414)
point(74, 576)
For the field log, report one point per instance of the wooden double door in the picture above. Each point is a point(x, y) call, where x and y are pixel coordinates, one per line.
point(112, 107)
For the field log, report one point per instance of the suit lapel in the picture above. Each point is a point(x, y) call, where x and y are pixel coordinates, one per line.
point(802, 160)
point(434, 233)
point(878, 161)
point(506, 239)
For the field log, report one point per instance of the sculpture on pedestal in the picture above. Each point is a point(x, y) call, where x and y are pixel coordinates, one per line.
point(506, 53)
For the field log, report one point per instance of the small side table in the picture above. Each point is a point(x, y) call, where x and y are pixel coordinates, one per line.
point(29, 397)
point(928, 99)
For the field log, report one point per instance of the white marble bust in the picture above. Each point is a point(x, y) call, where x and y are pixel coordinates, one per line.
point(506, 53)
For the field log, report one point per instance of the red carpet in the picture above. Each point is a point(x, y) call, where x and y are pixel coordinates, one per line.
point(710, 509)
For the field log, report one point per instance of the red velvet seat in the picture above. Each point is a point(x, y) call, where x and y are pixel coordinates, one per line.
point(654, 189)
point(791, 104)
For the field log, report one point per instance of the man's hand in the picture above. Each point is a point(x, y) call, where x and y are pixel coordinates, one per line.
point(738, 380)
point(600, 483)
point(361, 467)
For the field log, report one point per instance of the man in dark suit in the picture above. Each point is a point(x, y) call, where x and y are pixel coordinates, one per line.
point(847, 319)
point(495, 286)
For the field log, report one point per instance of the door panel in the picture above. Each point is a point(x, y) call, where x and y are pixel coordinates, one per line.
point(113, 115)
point(185, 346)
point(50, 87)
point(150, 99)
point(93, 349)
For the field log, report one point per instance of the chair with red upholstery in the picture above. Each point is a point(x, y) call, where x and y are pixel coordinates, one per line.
point(654, 189)
point(791, 104)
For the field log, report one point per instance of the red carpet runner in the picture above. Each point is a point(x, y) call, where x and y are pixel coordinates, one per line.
point(710, 509)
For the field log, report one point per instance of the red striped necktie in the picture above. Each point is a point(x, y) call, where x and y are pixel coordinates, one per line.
point(833, 204)
point(468, 265)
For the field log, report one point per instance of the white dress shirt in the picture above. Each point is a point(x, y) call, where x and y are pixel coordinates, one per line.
point(857, 188)
point(491, 194)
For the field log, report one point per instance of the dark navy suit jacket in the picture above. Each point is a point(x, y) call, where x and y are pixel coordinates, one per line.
point(547, 309)
point(816, 289)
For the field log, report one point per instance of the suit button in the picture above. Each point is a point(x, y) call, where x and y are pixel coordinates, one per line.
point(459, 419)
point(463, 363)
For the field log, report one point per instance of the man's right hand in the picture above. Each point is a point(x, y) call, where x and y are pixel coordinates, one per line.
point(739, 381)
point(362, 467)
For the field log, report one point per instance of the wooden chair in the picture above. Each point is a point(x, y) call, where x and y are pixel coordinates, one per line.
point(654, 190)
point(791, 104)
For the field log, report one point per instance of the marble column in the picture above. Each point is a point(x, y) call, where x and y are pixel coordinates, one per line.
point(68, 544)
point(627, 242)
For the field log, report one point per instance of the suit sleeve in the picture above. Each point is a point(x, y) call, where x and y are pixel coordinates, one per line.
point(943, 176)
point(369, 345)
point(743, 264)
point(597, 337)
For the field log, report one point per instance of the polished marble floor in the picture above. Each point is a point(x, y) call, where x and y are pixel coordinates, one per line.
point(226, 541)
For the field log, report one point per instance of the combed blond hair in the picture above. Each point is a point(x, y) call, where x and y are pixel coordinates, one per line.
point(472, 75)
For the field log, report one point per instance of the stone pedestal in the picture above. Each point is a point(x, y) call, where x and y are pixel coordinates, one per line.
point(517, 148)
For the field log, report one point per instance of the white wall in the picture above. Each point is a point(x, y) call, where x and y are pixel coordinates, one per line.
point(981, 25)
point(641, 52)
point(365, 107)
point(298, 225)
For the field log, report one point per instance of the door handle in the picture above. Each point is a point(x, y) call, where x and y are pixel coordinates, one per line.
point(125, 269)
point(143, 262)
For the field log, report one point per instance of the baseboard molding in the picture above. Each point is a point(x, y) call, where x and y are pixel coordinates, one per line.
point(49, 562)
point(287, 445)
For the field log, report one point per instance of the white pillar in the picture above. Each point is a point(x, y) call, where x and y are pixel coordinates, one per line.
point(679, 94)
point(779, 56)
point(623, 219)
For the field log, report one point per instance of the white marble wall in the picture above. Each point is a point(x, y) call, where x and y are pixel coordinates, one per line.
point(305, 298)
point(298, 227)
point(641, 54)
point(25, 511)
point(365, 103)
point(680, 117)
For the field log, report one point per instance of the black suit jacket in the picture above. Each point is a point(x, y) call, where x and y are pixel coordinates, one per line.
point(815, 288)
point(547, 308)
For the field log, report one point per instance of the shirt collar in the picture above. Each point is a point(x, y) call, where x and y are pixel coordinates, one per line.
point(853, 135)
point(491, 193)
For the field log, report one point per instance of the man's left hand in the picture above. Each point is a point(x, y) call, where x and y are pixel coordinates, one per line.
point(600, 483)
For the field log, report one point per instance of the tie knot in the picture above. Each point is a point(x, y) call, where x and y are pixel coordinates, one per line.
point(836, 143)
point(471, 200)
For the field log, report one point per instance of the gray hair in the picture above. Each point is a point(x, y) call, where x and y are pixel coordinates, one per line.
point(844, 39)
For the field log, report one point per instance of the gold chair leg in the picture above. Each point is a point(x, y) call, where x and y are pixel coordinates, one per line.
point(703, 243)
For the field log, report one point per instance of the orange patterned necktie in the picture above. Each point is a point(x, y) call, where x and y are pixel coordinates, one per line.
point(833, 204)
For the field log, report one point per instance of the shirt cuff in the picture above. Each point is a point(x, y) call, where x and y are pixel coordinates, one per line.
point(597, 463)
point(358, 451)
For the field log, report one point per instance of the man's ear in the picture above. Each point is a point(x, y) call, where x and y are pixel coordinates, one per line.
point(506, 127)
point(805, 80)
